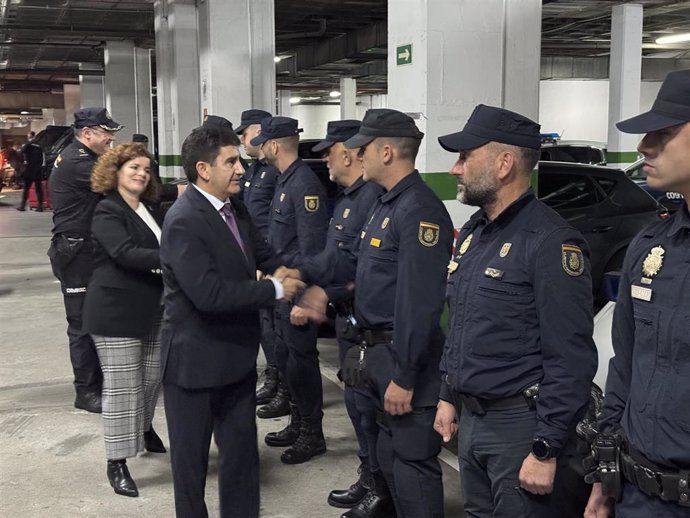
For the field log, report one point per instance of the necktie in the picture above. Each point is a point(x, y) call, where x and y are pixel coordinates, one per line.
point(231, 222)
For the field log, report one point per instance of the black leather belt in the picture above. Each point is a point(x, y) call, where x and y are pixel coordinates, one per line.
point(371, 337)
point(652, 480)
point(479, 406)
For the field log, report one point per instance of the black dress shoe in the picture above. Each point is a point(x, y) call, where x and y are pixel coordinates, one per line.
point(288, 435)
point(268, 390)
point(21, 209)
point(278, 406)
point(310, 443)
point(120, 479)
point(377, 503)
point(89, 401)
point(152, 442)
point(348, 498)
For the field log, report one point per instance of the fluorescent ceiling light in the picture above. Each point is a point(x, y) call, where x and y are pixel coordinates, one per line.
point(24, 113)
point(334, 94)
point(295, 100)
point(676, 38)
point(277, 59)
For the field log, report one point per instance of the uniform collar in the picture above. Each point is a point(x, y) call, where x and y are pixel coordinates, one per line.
point(355, 185)
point(80, 145)
point(411, 179)
point(288, 172)
point(681, 220)
point(509, 212)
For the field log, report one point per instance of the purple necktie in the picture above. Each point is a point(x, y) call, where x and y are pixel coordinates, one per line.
point(231, 222)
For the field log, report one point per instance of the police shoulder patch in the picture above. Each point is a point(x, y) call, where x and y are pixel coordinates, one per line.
point(311, 203)
point(572, 260)
point(428, 233)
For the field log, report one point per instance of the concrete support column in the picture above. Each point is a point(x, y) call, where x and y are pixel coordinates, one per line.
point(445, 57)
point(177, 79)
point(625, 73)
point(143, 93)
point(236, 51)
point(72, 96)
point(55, 117)
point(91, 88)
point(120, 93)
point(348, 98)
point(284, 108)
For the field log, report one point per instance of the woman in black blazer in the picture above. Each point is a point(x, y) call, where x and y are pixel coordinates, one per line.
point(122, 310)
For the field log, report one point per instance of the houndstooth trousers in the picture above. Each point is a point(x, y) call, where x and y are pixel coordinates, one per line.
point(131, 383)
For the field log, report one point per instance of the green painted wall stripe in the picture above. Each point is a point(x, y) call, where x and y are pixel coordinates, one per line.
point(621, 157)
point(168, 160)
point(443, 184)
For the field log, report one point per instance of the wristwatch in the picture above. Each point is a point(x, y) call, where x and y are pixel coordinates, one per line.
point(542, 450)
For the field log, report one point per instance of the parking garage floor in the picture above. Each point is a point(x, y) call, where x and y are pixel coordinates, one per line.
point(52, 461)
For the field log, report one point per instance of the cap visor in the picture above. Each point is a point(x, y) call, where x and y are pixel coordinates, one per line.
point(258, 140)
point(239, 129)
point(322, 146)
point(358, 140)
point(111, 126)
point(646, 122)
point(460, 141)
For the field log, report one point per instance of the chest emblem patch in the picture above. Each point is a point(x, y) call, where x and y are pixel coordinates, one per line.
point(465, 244)
point(346, 213)
point(282, 196)
point(505, 249)
point(385, 222)
point(311, 203)
point(428, 233)
point(572, 260)
point(375, 242)
point(653, 262)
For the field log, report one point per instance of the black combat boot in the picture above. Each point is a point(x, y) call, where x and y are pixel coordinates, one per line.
point(268, 390)
point(347, 498)
point(288, 435)
point(278, 406)
point(377, 503)
point(310, 443)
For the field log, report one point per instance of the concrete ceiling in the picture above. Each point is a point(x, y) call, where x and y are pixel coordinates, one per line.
point(45, 44)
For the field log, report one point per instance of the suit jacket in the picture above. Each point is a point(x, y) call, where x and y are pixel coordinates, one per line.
point(124, 294)
point(210, 335)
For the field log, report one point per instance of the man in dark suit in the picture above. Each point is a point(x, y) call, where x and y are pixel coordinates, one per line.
point(210, 251)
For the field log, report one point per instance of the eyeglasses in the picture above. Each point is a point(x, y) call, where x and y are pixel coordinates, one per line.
point(96, 129)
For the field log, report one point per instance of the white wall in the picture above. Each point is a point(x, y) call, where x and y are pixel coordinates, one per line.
point(314, 118)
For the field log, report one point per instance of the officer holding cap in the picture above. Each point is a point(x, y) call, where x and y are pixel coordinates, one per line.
point(333, 269)
point(648, 386)
point(520, 324)
point(71, 249)
point(296, 230)
point(404, 247)
point(258, 187)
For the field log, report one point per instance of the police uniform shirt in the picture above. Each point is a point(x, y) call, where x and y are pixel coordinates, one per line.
point(648, 384)
point(337, 263)
point(520, 312)
point(259, 184)
point(299, 219)
point(403, 252)
point(70, 191)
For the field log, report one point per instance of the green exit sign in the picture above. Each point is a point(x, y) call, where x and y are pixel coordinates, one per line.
point(403, 54)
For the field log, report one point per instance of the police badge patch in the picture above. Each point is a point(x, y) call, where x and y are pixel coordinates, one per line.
point(653, 262)
point(428, 233)
point(572, 259)
point(311, 203)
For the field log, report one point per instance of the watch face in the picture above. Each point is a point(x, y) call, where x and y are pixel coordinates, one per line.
point(540, 449)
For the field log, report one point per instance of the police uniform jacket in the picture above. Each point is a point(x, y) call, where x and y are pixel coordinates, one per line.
point(337, 263)
point(299, 219)
point(401, 273)
point(648, 384)
point(520, 313)
point(70, 191)
point(124, 295)
point(258, 189)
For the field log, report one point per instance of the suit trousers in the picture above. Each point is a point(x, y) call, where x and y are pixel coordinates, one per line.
point(35, 180)
point(298, 362)
point(131, 384)
point(227, 413)
point(72, 266)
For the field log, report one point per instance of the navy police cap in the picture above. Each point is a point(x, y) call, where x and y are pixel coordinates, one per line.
point(384, 122)
point(92, 117)
point(276, 127)
point(216, 121)
point(671, 107)
point(338, 131)
point(493, 124)
point(250, 117)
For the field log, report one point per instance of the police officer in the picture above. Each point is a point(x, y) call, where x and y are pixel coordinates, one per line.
point(334, 268)
point(648, 386)
point(520, 323)
point(258, 187)
point(71, 248)
point(297, 229)
point(400, 277)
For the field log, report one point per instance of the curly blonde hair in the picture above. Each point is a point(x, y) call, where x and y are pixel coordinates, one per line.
point(104, 175)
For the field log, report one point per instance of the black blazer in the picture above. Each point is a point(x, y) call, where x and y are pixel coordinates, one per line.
point(123, 297)
point(210, 335)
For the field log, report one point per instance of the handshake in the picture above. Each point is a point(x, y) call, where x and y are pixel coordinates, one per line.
point(313, 302)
